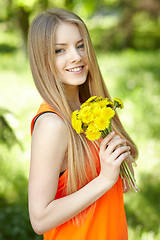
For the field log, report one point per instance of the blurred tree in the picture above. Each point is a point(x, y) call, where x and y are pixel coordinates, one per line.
point(127, 24)
point(23, 21)
point(7, 135)
point(16, 15)
point(69, 4)
point(129, 10)
point(151, 6)
point(87, 8)
point(136, 25)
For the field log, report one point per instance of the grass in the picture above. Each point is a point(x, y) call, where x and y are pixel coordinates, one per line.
point(132, 76)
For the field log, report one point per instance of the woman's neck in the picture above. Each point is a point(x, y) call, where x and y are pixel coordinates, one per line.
point(72, 94)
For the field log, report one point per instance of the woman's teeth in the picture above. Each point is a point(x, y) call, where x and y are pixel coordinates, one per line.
point(74, 69)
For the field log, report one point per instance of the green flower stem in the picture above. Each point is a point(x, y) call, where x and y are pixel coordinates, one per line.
point(109, 128)
point(131, 175)
point(115, 106)
point(125, 170)
point(128, 178)
point(123, 173)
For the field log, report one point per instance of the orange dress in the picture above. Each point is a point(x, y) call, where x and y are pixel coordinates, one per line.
point(105, 219)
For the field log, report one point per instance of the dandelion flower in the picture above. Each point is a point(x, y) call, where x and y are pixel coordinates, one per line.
point(102, 122)
point(118, 103)
point(92, 133)
point(96, 111)
point(76, 123)
point(91, 99)
point(86, 115)
point(108, 112)
point(103, 103)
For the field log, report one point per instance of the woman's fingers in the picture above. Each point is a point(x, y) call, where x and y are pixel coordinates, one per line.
point(122, 158)
point(113, 145)
point(120, 151)
point(114, 148)
point(115, 137)
point(105, 141)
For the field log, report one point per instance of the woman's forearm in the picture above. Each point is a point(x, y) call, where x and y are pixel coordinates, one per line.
point(61, 210)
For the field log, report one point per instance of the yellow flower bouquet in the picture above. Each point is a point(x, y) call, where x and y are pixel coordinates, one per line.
point(94, 119)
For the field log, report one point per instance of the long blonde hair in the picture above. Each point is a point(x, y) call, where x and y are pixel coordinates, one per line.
point(42, 62)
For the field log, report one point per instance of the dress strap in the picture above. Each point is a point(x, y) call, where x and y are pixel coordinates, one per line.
point(44, 108)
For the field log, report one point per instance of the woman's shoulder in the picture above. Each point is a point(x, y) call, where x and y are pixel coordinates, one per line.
point(48, 124)
point(51, 123)
point(46, 115)
point(49, 141)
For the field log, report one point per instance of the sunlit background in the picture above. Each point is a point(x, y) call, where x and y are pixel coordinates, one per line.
point(126, 37)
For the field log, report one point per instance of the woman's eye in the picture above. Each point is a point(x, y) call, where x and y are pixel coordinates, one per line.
point(59, 51)
point(81, 46)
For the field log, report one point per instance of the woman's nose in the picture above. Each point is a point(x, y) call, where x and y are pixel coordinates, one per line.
point(75, 56)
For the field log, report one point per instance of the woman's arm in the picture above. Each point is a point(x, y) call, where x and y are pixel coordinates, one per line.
point(49, 145)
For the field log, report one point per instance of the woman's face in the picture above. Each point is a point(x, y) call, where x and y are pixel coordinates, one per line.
point(70, 55)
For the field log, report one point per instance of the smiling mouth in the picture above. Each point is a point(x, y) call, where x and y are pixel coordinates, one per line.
point(76, 69)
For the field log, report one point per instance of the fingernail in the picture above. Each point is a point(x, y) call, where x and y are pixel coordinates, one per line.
point(112, 132)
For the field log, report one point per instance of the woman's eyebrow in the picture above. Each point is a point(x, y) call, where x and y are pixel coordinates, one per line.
point(66, 43)
point(80, 41)
point(60, 43)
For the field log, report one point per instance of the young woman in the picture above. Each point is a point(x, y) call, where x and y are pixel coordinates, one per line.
point(75, 191)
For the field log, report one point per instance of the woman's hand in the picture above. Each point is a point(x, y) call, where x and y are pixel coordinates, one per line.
point(113, 151)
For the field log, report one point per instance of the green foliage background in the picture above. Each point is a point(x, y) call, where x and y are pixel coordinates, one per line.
point(126, 38)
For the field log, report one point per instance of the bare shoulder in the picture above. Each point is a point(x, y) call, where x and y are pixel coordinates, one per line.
point(50, 122)
point(49, 141)
point(52, 126)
